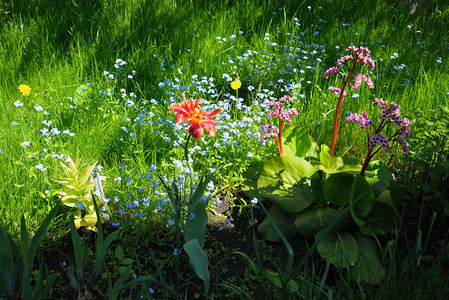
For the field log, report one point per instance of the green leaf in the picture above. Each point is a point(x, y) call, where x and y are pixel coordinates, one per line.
point(199, 261)
point(397, 193)
point(122, 269)
point(362, 193)
point(337, 188)
point(367, 268)
point(351, 160)
point(298, 143)
point(339, 249)
point(38, 237)
point(27, 291)
point(314, 190)
point(6, 261)
point(119, 253)
point(119, 284)
point(378, 169)
point(310, 221)
point(325, 155)
point(378, 185)
point(79, 251)
point(342, 151)
point(275, 278)
point(24, 238)
point(104, 248)
point(381, 220)
point(86, 174)
point(126, 261)
point(282, 180)
point(283, 221)
point(196, 221)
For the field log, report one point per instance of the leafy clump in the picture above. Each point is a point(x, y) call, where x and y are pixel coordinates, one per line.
point(77, 192)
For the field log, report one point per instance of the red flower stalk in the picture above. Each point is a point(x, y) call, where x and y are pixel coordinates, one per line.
point(360, 55)
point(283, 116)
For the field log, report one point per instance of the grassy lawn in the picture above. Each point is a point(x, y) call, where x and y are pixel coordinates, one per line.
point(102, 76)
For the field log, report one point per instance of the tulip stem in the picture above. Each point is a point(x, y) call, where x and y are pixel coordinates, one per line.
point(189, 164)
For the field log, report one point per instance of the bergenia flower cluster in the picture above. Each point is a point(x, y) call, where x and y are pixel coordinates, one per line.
point(358, 55)
point(390, 113)
point(362, 120)
point(270, 131)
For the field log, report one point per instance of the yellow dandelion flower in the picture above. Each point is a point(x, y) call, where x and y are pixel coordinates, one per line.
point(236, 84)
point(24, 89)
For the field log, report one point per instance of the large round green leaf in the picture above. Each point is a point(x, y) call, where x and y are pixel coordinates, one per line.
point(314, 189)
point(381, 220)
point(337, 188)
point(367, 268)
point(397, 193)
point(363, 195)
point(283, 221)
point(281, 182)
point(338, 248)
point(298, 142)
point(378, 169)
point(313, 219)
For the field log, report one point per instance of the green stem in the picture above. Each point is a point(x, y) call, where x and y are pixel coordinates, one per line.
point(189, 164)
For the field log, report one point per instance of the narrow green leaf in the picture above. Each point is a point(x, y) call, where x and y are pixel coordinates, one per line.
point(118, 285)
point(86, 174)
point(24, 238)
point(38, 237)
point(27, 291)
point(6, 260)
point(99, 259)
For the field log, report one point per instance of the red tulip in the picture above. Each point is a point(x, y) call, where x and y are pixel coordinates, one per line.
point(188, 110)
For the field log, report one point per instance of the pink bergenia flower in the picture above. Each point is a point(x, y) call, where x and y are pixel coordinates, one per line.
point(337, 91)
point(358, 81)
point(270, 131)
point(341, 60)
point(404, 145)
point(266, 131)
point(381, 140)
point(330, 71)
point(277, 110)
point(362, 120)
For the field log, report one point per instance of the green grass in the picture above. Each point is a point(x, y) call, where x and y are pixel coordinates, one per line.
point(57, 47)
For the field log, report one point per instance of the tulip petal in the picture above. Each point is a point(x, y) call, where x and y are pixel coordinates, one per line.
point(196, 130)
point(181, 117)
